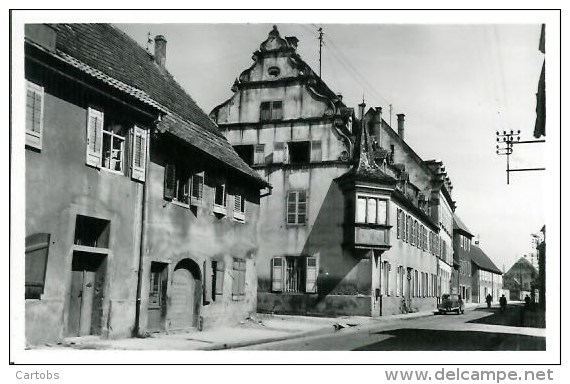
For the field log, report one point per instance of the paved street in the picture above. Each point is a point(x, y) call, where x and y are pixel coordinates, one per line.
point(477, 329)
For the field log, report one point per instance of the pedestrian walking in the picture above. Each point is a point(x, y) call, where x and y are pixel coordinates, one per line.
point(488, 299)
point(503, 303)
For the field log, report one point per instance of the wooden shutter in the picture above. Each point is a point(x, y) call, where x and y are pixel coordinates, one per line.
point(265, 111)
point(259, 154)
point(94, 137)
point(311, 280)
point(277, 271)
point(398, 223)
point(37, 248)
point(169, 181)
point(291, 207)
point(197, 185)
point(34, 115)
point(316, 151)
point(278, 152)
point(277, 110)
point(139, 154)
point(219, 271)
point(301, 207)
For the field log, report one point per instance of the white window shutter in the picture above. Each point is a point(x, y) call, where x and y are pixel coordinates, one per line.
point(277, 269)
point(311, 281)
point(139, 154)
point(94, 137)
point(34, 115)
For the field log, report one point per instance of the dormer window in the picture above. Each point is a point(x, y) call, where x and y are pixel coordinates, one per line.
point(273, 71)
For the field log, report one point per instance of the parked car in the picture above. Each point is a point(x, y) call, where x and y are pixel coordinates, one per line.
point(450, 303)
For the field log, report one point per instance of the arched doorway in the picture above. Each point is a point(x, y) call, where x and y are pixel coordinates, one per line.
point(185, 295)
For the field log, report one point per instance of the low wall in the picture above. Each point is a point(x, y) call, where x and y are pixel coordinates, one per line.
point(313, 305)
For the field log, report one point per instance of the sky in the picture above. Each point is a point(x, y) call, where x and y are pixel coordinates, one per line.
point(456, 84)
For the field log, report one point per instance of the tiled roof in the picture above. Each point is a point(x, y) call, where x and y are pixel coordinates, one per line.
point(108, 54)
point(482, 260)
point(459, 225)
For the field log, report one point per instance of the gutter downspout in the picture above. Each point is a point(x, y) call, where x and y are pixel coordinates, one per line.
point(136, 331)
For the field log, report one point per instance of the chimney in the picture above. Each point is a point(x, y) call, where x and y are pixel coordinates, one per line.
point(160, 50)
point(401, 125)
point(377, 124)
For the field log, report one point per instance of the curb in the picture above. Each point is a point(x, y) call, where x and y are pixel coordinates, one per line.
point(318, 332)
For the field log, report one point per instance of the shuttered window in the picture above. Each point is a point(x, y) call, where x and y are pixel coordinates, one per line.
point(94, 137)
point(37, 249)
point(398, 227)
point(271, 110)
point(238, 282)
point(34, 115)
point(139, 154)
point(197, 187)
point(297, 207)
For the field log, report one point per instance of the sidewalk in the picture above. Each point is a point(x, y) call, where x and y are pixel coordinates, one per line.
point(257, 329)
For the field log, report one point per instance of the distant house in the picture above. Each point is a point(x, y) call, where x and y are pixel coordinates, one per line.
point(520, 279)
point(139, 214)
point(357, 223)
point(461, 276)
point(486, 278)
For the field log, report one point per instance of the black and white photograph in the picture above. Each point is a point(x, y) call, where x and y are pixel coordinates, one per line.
point(224, 183)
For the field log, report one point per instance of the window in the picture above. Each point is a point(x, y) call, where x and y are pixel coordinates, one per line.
point(398, 211)
point(239, 208)
point(34, 115)
point(196, 188)
point(177, 183)
point(106, 144)
point(299, 152)
point(294, 274)
point(370, 210)
point(37, 249)
point(413, 232)
point(245, 152)
point(386, 278)
point(91, 232)
point(217, 279)
point(273, 71)
point(114, 146)
point(297, 207)
point(220, 199)
point(238, 282)
point(271, 110)
point(259, 154)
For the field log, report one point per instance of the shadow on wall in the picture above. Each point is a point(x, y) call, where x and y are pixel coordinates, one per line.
point(335, 263)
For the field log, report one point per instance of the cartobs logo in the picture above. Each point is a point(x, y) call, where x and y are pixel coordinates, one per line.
point(21, 375)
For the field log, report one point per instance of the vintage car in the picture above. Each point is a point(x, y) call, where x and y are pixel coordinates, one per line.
point(450, 303)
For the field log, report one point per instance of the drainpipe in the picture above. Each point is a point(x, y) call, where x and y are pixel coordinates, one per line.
point(136, 331)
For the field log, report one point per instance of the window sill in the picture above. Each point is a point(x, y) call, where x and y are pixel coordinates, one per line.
point(239, 217)
point(195, 202)
point(180, 204)
point(220, 210)
point(112, 171)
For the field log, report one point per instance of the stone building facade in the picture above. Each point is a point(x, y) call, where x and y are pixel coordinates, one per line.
point(353, 225)
point(461, 274)
point(106, 247)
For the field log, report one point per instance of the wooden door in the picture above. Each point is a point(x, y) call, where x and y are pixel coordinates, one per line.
point(85, 294)
point(182, 299)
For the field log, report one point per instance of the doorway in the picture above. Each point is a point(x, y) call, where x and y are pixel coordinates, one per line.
point(157, 296)
point(86, 294)
point(185, 295)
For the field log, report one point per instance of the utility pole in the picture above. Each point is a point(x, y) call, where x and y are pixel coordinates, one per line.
point(508, 140)
point(320, 50)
